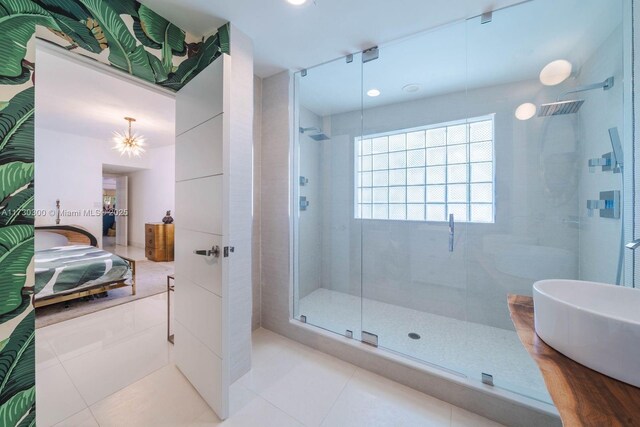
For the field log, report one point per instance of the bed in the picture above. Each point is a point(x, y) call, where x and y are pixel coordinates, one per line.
point(69, 265)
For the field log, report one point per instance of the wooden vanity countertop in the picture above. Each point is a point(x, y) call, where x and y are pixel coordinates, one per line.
point(583, 396)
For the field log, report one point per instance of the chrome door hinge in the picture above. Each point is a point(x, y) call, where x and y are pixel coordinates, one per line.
point(486, 17)
point(227, 250)
point(370, 54)
point(369, 338)
point(487, 379)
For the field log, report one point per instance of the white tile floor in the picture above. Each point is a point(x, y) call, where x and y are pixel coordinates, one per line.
point(464, 347)
point(114, 368)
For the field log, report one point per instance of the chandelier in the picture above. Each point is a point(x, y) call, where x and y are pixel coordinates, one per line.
point(129, 143)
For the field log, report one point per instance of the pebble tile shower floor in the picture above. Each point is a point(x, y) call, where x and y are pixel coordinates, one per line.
point(464, 347)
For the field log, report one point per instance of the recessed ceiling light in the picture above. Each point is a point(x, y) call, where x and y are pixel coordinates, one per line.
point(373, 93)
point(297, 2)
point(411, 88)
point(556, 72)
point(526, 111)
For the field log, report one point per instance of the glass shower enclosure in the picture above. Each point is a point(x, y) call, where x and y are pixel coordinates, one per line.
point(437, 174)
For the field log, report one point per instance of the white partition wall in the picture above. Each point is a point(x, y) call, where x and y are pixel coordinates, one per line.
point(239, 200)
point(214, 118)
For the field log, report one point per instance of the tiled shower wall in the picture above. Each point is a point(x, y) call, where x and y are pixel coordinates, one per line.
point(311, 263)
point(407, 263)
point(602, 110)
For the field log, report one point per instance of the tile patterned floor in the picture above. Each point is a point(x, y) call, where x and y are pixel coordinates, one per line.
point(114, 368)
point(464, 347)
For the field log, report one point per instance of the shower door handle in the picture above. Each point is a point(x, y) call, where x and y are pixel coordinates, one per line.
point(452, 232)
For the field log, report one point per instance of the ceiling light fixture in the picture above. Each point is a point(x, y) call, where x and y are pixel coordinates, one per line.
point(129, 143)
point(556, 72)
point(373, 93)
point(411, 88)
point(526, 111)
point(297, 2)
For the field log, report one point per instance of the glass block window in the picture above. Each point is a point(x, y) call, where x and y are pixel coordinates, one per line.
point(428, 173)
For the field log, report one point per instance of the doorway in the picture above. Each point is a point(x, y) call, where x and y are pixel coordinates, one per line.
point(115, 215)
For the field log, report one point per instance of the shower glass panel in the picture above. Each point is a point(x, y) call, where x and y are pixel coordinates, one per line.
point(452, 168)
point(416, 140)
point(548, 125)
point(327, 272)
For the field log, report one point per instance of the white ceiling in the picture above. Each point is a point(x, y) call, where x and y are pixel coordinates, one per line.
point(75, 98)
point(295, 37)
point(514, 47)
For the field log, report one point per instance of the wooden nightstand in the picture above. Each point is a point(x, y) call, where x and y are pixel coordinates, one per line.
point(159, 242)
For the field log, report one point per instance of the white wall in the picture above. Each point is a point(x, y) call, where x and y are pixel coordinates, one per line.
point(151, 192)
point(69, 168)
point(276, 294)
point(602, 110)
point(257, 228)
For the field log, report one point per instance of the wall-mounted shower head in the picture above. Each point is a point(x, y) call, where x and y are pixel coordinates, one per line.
point(311, 129)
point(317, 134)
point(560, 108)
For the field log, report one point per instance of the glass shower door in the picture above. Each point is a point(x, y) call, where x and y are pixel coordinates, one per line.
point(327, 291)
point(436, 175)
point(414, 213)
point(542, 76)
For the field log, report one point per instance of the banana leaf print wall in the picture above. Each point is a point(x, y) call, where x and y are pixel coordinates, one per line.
point(121, 33)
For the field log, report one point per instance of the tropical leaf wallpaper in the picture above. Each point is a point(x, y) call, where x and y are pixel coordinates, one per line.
point(122, 33)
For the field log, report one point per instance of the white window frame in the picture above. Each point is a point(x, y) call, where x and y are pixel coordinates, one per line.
point(360, 190)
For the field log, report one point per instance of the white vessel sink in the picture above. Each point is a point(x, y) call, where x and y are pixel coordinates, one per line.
point(595, 324)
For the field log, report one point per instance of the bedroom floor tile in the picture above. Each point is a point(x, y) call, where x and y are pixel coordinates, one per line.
point(108, 369)
point(247, 410)
point(56, 396)
point(130, 379)
point(45, 356)
point(462, 418)
point(83, 418)
point(163, 398)
point(297, 379)
point(104, 328)
point(371, 400)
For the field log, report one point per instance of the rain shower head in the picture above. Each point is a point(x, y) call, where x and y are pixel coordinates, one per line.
point(317, 135)
point(560, 108)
